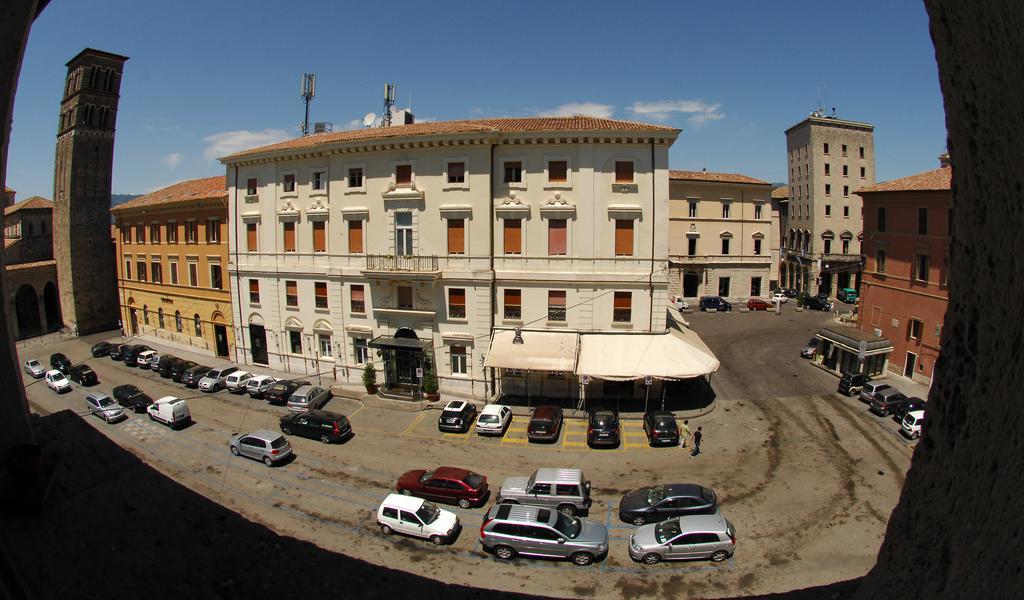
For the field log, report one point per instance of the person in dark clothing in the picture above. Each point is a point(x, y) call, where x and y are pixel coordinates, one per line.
point(697, 437)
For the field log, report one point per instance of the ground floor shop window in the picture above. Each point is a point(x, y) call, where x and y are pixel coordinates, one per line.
point(362, 352)
point(295, 342)
point(723, 286)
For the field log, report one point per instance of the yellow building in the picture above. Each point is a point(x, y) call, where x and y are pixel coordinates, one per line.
point(172, 252)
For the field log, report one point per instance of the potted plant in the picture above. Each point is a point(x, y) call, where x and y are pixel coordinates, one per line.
point(430, 387)
point(800, 302)
point(370, 378)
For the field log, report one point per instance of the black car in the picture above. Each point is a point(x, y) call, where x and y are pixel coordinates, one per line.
point(817, 303)
point(458, 416)
point(661, 502)
point(789, 292)
point(661, 428)
point(907, 405)
point(132, 397)
point(131, 355)
point(83, 375)
point(192, 376)
point(60, 362)
point(603, 428)
point(317, 425)
point(282, 390)
point(163, 366)
point(117, 350)
point(850, 384)
point(545, 425)
point(179, 369)
point(101, 349)
point(714, 303)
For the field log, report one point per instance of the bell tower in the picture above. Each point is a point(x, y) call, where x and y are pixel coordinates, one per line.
point(86, 269)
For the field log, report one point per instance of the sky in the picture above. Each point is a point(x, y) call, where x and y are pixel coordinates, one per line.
point(206, 79)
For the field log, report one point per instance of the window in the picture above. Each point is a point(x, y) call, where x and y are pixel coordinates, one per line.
point(154, 232)
point(693, 209)
point(623, 171)
point(254, 291)
point(191, 232)
point(723, 286)
point(193, 274)
point(289, 236)
point(172, 232)
point(861, 151)
point(922, 221)
point(944, 272)
point(289, 183)
point(846, 171)
point(622, 307)
point(177, 321)
point(140, 234)
point(691, 246)
point(291, 293)
point(355, 237)
point(405, 296)
point(216, 280)
point(880, 261)
point(126, 235)
point(357, 299)
point(456, 303)
point(320, 294)
point(197, 324)
point(251, 237)
point(881, 218)
point(355, 178)
point(513, 304)
point(319, 236)
point(846, 246)
point(828, 169)
point(156, 270)
point(456, 172)
point(755, 286)
point(825, 145)
point(325, 345)
point(726, 209)
point(556, 305)
point(623, 237)
point(846, 212)
point(725, 245)
point(513, 172)
point(250, 187)
point(160, 317)
point(827, 243)
point(828, 210)
point(212, 231)
point(921, 267)
point(757, 246)
point(456, 236)
point(915, 326)
point(846, 191)
point(558, 171)
point(513, 236)
point(828, 189)
point(844, 149)
point(758, 211)
point(295, 342)
point(863, 171)
point(403, 234)
point(319, 182)
point(361, 351)
point(459, 360)
point(145, 314)
point(140, 268)
point(127, 268)
point(403, 175)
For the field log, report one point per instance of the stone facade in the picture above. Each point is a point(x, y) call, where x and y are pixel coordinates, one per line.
point(31, 271)
point(81, 191)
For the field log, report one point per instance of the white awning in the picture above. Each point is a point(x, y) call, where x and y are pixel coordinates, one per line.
point(540, 351)
point(678, 354)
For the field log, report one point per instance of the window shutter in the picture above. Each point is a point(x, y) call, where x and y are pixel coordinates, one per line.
point(358, 293)
point(513, 297)
point(556, 298)
point(289, 237)
point(513, 236)
point(457, 296)
point(355, 237)
point(319, 236)
point(623, 300)
point(556, 237)
point(623, 237)
point(291, 288)
point(557, 171)
point(624, 171)
point(251, 237)
point(456, 236)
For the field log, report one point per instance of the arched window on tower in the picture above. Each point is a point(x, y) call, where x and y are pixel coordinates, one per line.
point(90, 74)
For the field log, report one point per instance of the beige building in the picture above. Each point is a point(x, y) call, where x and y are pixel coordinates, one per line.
point(721, 234)
point(829, 159)
point(31, 271)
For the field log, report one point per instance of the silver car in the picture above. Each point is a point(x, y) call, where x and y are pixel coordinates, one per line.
point(215, 378)
point(269, 446)
point(509, 530)
point(867, 393)
point(259, 384)
point(104, 407)
point(34, 368)
point(308, 397)
point(697, 536)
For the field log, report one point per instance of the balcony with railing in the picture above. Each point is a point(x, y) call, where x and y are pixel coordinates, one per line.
point(389, 265)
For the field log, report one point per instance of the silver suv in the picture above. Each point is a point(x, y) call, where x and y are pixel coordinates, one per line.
point(565, 489)
point(536, 531)
point(308, 397)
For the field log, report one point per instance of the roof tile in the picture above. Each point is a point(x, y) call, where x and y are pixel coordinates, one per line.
point(713, 177)
point(183, 191)
point(35, 202)
point(929, 181)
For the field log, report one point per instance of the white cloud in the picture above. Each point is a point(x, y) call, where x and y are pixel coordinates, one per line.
point(229, 142)
point(355, 124)
point(173, 159)
point(591, 109)
point(699, 112)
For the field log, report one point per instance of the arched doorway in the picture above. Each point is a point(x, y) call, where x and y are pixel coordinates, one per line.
point(220, 334)
point(51, 304)
point(26, 304)
point(691, 282)
point(258, 340)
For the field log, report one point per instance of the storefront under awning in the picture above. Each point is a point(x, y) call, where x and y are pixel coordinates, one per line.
point(844, 349)
point(678, 354)
point(539, 351)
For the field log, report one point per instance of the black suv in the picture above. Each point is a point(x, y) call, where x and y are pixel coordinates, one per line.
point(661, 428)
point(714, 303)
point(132, 397)
point(192, 376)
point(60, 362)
point(282, 390)
point(179, 369)
point(83, 375)
point(131, 355)
point(603, 428)
point(317, 425)
point(817, 303)
point(850, 384)
point(101, 349)
point(166, 363)
point(117, 350)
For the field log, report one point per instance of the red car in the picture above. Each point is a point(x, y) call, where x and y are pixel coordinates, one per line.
point(446, 484)
point(758, 304)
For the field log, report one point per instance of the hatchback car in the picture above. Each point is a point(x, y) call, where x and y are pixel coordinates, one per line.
point(308, 397)
point(509, 530)
point(235, 382)
point(781, 297)
point(282, 390)
point(417, 517)
point(215, 379)
point(60, 362)
point(661, 502)
point(698, 536)
point(101, 349)
point(153, 363)
point(269, 446)
point(317, 425)
point(886, 401)
point(907, 406)
point(714, 303)
point(130, 356)
point(83, 375)
point(165, 366)
point(259, 384)
point(457, 416)
point(911, 424)
point(57, 381)
point(603, 428)
point(493, 419)
point(34, 368)
point(132, 397)
point(867, 393)
point(808, 349)
point(143, 358)
point(102, 406)
point(115, 352)
point(193, 376)
point(178, 369)
point(758, 304)
point(661, 428)
point(445, 484)
point(545, 424)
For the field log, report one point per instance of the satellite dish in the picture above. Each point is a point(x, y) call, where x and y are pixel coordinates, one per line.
point(369, 118)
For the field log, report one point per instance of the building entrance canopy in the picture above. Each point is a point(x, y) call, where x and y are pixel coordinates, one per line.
point(855, 340)
point(678, 354)
point(386, 342)
point(540, 351)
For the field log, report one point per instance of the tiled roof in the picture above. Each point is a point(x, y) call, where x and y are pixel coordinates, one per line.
point(781, 192)
point(7, 189)
point(510, 125)
point(193, 189)
point(36, 202)
point(715, 177)
point(929, 181)
point(31, 265)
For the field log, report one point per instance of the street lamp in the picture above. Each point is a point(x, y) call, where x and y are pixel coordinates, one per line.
point(518, 339)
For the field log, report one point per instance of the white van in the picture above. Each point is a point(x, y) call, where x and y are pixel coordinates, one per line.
point(237, 381)
point(170, 411)
point(911, 425)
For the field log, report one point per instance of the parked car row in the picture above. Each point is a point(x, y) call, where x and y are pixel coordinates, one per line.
point(885, 400)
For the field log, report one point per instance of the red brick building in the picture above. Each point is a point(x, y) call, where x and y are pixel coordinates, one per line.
point(904, 290)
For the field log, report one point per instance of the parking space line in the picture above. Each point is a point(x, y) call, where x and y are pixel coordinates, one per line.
point(414, 423)
point(357, 411)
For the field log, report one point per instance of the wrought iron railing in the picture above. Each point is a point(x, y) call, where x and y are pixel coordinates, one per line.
point(392, 262)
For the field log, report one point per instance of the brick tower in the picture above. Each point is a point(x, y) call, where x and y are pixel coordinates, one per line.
point(86, 271)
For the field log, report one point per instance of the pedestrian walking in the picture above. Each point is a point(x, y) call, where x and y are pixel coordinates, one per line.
point(684, 433)
point(697, 437)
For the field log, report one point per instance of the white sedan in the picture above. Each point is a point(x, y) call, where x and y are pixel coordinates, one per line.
point(57, 381)
point(779, 297)
point(34, 368)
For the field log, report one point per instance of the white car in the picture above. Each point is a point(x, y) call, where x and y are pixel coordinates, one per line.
point(493, 419)
point(779, 297)
point(417, 517)
point(911, 425)
point(259, 384)
point(34, 368)
point(101, 405)
point(143, 359)
point(236, 382)
point(57, 381)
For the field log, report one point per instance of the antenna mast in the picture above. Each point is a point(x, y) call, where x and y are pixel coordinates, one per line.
point(389, 101)
point(308, 91)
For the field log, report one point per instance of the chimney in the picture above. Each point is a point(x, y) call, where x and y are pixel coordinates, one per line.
point(704, 170)
point(8, 197)
point(944, 160)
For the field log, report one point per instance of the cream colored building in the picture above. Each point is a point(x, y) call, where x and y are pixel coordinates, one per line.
point(412, 246)
point(721, 236)
point(829, 159)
